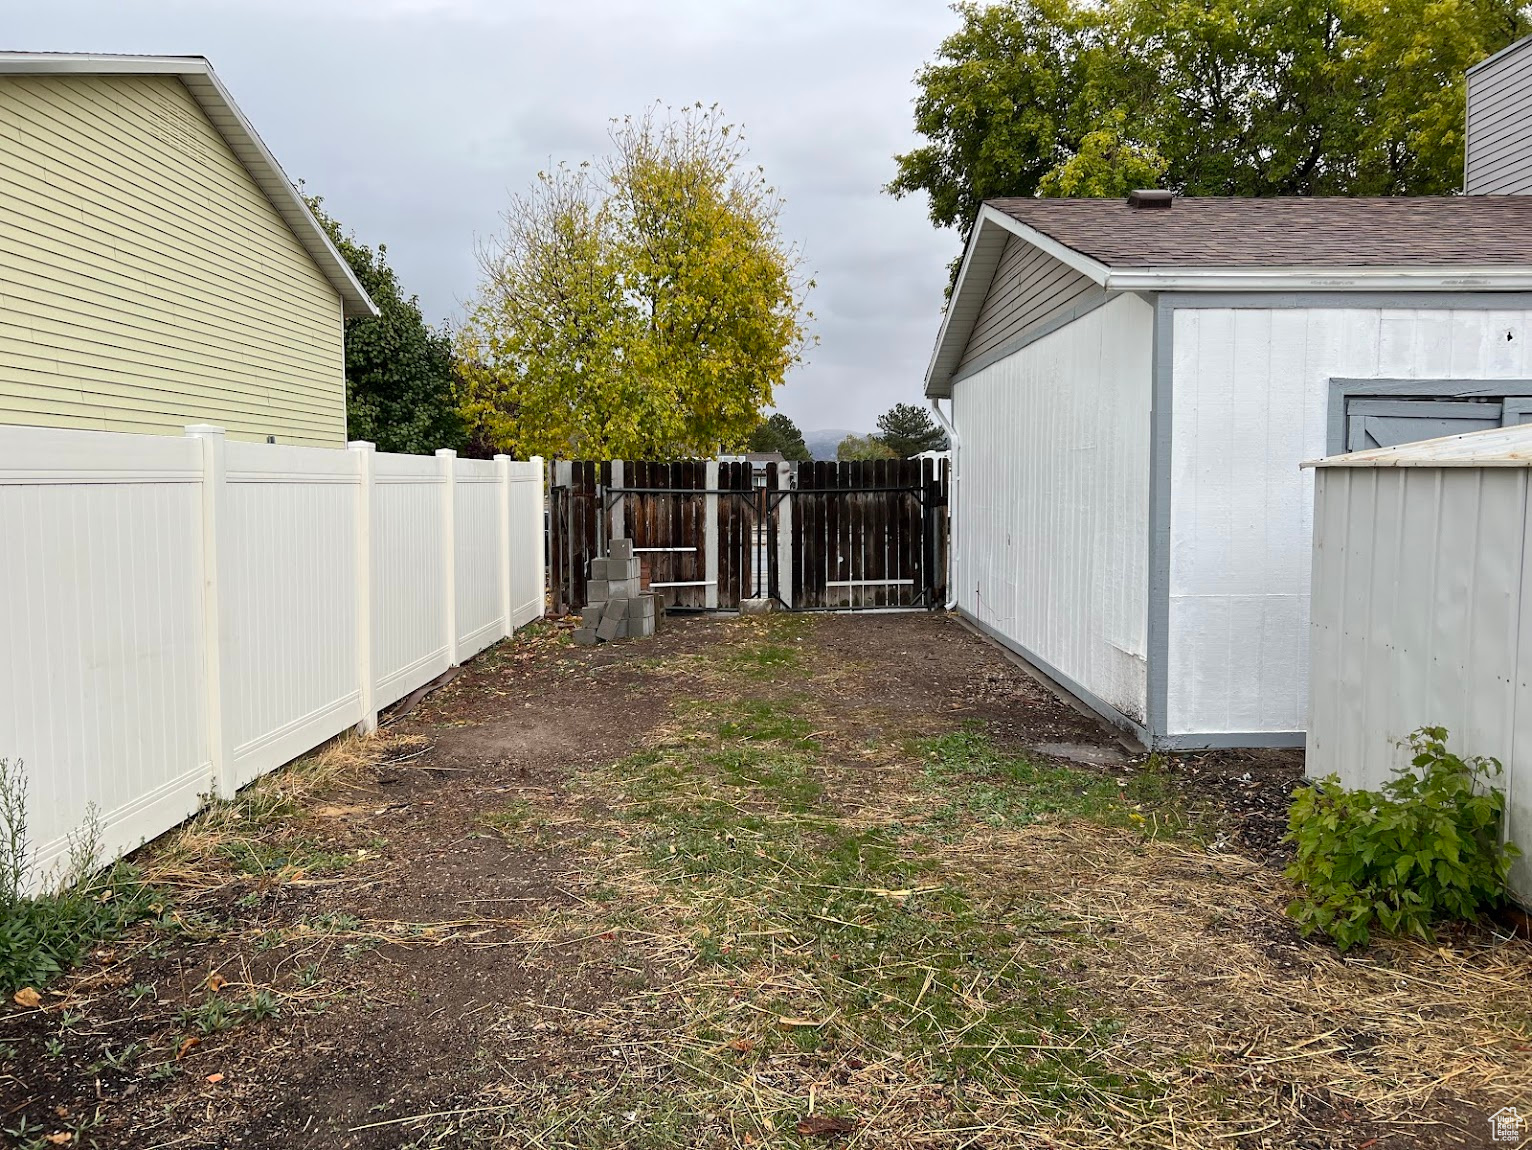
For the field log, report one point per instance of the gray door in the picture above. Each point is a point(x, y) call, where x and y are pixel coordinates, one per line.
point(1373, 422)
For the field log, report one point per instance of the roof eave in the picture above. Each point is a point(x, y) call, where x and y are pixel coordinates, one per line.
point(1339, 279)
point(974, 277)
point(218, 105)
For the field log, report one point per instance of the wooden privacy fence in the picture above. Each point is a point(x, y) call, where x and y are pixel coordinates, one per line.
point(179, 616)
point(813, 536)
point(863, 534)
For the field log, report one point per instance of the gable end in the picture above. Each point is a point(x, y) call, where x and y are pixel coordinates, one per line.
point(1029, 288)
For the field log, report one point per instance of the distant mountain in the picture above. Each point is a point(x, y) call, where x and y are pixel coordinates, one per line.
point(822, 444)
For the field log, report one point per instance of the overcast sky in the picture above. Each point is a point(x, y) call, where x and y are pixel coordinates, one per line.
point(416, 118)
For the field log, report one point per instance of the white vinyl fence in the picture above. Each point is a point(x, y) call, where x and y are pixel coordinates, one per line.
point(179, 616)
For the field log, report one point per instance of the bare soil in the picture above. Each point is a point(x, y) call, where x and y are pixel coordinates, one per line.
point(431, 946)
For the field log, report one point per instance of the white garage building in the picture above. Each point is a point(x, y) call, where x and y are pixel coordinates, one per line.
point(1132, 387)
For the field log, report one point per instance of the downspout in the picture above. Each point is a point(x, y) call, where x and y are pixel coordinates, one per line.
point(950, 426)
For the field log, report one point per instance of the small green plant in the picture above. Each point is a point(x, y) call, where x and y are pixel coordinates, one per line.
point(42, 935)
point(1425, 848)
point(214, 1014)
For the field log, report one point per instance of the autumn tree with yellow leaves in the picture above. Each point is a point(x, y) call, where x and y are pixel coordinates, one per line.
point(640, 306)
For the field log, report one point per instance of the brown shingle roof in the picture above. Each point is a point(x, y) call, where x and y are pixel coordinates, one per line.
point(1213, 232)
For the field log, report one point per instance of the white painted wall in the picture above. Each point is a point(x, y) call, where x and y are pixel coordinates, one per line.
point(1420, 617)
point(1251, 389)
point(180, 615)
point(1053, 505)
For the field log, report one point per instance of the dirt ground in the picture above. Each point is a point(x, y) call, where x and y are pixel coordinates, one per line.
point(801, 881)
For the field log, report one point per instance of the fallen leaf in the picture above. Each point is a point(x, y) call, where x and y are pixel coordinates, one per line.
point(61, 1138)
point(27, 997)
point(216, 982)
point(215, 1079)
point(825, 1125)
point(186, 1045)
point(742, 1045)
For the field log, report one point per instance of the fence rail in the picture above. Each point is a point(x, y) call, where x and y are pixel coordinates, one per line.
point(179, 616)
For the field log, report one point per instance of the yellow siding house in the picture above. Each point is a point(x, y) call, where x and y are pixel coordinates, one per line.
point(157, 268)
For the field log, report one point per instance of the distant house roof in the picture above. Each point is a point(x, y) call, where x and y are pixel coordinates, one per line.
point(219, 107)
point(1298, 231)
point(1333, 244)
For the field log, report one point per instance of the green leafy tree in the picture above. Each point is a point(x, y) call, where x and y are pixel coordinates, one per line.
point(645, 305)
point(907, 430)
point(779, 433)
point(399, 370)
point(1205, 97)
point(855, 447)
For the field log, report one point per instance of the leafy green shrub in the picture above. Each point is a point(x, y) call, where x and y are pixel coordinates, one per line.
point(42, 936)
point(1425, 848)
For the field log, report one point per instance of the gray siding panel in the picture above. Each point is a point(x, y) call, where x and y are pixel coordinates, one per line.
point(1030, 287)
point(1499, 160)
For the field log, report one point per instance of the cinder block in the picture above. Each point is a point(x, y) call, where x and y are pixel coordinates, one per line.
point(658, 599)
point(615, 609)
point(585, 637)
point(590, 616)
point(621, 568)
point(620, 549)
point(623, 589)
point(641, 608)
point(757, 606)
point(641, 628)
point(597, 591)
point(611, 628)
point(598, 569)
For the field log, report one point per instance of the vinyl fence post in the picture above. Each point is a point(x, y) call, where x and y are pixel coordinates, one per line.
point(447, 458)
point(507, 541)
point(785, 538)
point(710, 536)
point(214, 551)
point(540, 537)
point(364, 453)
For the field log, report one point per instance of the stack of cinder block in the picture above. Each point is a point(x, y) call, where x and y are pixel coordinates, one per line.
point(618, 607)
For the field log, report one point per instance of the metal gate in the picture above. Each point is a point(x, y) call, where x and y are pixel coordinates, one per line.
point(859, 535)
point(696, 528)
point(813, 536)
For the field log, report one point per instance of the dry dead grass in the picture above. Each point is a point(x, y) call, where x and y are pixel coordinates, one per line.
point(200, 857)
point(1173, 1004)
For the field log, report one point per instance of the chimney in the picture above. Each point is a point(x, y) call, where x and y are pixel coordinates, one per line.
point(1150, 198)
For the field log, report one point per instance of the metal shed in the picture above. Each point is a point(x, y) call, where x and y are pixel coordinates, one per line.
point(1421, 611)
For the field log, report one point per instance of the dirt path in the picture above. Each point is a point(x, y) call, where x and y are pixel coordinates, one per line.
point(756, 881)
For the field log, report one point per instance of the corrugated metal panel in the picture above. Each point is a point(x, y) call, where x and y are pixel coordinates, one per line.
point(1053, 507)
point(148, 282)
point(409, 579)
point(1251, 394)
point(1029, 288)
point(289, 601)
point(1499, 143)
point(102, 687)
point(1418, 619)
